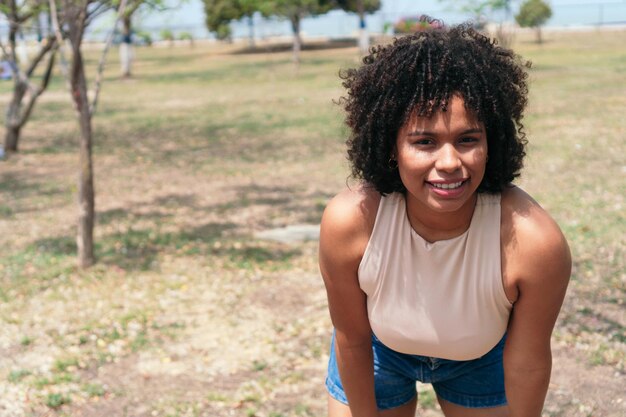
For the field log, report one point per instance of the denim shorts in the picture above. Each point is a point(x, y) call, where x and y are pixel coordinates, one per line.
point(477, 383)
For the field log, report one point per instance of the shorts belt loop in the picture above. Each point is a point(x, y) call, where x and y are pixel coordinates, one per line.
point(433, 363)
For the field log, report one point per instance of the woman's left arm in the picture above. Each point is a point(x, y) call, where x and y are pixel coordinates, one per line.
point(538, 260)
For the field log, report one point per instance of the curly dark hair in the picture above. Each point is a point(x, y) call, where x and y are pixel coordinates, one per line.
point(419, 74)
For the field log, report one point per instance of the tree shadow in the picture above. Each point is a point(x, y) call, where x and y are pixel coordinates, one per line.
point(140, 247)
point(288, 46)
point(234, 71)
point(284, 202)
point(19, 194)
point(56, 246)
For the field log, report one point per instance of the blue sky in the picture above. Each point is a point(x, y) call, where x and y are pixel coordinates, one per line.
point(188, 16)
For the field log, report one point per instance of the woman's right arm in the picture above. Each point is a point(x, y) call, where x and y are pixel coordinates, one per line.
point(346, 225)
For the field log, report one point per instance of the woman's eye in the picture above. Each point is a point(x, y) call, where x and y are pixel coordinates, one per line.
point(423, 142)
point(468, 140)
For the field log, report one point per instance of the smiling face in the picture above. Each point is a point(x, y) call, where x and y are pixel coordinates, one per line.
point(442, 159)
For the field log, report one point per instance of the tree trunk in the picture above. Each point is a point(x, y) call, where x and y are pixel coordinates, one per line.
point(251, 32)
point(86, 193)
point(13, 123)
point(538, 32)
point(126, 48)
point(364, 39)
point(297, 40)
point(11, 138)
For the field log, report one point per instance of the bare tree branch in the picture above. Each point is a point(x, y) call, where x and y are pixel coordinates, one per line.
point(17, 73)
point(39, 90)
point(100, 9)
point(107, 45)
point(59, 37)
point(50, 43)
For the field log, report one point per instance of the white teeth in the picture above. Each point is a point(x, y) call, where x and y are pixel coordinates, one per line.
point(448, 186)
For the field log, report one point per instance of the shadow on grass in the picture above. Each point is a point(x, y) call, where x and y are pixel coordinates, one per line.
point(20, 194)
point(286, 202)
point(139, 246)
point(155, 209)
point(166, 57)
point(590, 320)
point(19, 187)
point(135, 249)
point(139, 249)
point(237, 72)
point(36, 266)
point(55, 144)
point(288, 46)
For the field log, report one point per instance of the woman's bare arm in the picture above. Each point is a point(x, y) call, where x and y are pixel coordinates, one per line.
point(345, 229)
point(537, 259)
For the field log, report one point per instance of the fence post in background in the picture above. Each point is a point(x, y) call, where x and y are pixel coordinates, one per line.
point(364, 39)
point(601, 14)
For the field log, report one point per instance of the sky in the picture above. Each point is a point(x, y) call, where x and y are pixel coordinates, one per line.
point(188, 16)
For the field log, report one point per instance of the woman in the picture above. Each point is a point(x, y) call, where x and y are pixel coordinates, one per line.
point(437, 268)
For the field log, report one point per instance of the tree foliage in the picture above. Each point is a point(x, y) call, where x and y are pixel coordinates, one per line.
point(295, 11)
point(219, 14)
point(369, 6)
point(533, 13)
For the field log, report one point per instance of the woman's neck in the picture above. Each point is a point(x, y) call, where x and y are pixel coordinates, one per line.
point(433, 226)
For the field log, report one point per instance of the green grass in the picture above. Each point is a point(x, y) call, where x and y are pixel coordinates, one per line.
point(203, 148)
point(17, 375)
point(94, 390)
point(56, 400)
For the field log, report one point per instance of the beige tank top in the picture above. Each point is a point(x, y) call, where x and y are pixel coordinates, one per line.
point(444, 299)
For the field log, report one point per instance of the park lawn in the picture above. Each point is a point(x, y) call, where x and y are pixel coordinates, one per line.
point(187, 313)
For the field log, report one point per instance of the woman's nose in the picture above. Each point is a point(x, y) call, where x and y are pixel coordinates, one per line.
point(448, 159)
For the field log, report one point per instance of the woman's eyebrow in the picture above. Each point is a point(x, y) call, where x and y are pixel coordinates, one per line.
point(421, 133)
point(430, 133)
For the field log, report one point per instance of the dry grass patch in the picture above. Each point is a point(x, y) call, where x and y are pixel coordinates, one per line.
point(186, 312)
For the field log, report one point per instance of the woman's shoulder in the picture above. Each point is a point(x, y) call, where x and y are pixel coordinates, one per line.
point(349, 218)
point(352, 209)
point(523, 216)
point(531, 239)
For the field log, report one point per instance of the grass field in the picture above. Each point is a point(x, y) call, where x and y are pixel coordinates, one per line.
point(187, 313)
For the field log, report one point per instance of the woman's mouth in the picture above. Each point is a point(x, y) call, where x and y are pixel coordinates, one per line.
point(447, 186)
point(449, 189)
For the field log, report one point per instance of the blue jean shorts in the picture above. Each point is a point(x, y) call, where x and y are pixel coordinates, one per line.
point(477, 383)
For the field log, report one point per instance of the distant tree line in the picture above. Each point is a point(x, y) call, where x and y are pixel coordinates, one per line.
point(532, 13)
point(220, 13)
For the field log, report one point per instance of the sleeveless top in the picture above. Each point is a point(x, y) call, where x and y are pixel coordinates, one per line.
point(444, 299)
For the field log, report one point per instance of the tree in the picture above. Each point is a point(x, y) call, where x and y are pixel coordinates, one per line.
point(295, 11)
point(479, 9)
point(534, 13)
point(247, 9)
point(126, 49)
point(70, 19)
point(361, 7)
point(126, 46)
point(25, 92)
point(219, 14)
